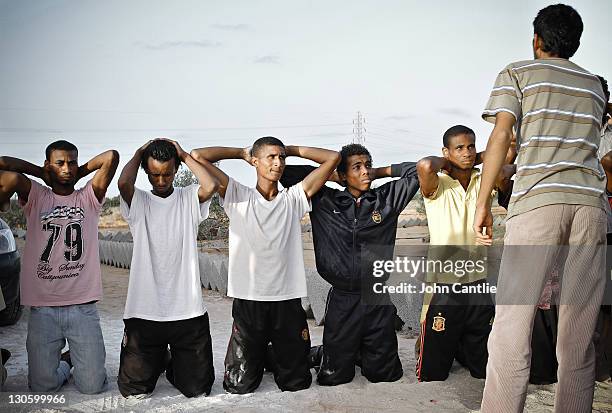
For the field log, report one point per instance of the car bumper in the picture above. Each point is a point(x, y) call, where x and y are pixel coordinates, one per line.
point(10, 265)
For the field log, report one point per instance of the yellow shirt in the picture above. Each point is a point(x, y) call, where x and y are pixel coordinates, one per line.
point(450, 218)
point(450, 211)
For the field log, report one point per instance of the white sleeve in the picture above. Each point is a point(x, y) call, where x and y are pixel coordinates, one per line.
point(299, 199)
point(131, 213)
point(234, 194)
point(201, 210)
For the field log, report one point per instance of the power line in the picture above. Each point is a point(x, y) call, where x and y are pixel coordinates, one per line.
point(62, 130)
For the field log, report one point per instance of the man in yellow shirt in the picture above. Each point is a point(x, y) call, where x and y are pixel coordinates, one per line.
point(454, 325)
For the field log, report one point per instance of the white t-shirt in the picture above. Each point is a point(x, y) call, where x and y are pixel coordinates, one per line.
point(266, 262)
point(164, 275)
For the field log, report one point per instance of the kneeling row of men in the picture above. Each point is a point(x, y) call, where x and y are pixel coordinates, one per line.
point(166, 323)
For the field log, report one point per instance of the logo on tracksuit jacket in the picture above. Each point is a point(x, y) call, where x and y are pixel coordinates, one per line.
point(376, 217)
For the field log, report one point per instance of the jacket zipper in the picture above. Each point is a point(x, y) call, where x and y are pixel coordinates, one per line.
point(354, 244)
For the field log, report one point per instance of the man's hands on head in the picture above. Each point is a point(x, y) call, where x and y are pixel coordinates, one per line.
point(427, 170)
point(127, 179)
point(327, 160)
point(247, 155)
point(143, 147)
point(181, 153)
point(46, 176)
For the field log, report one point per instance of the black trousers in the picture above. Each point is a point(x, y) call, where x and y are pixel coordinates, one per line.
point(257, 323)
point(457, 326)
point(144, 356)
point(543, 347)
point(353, 329)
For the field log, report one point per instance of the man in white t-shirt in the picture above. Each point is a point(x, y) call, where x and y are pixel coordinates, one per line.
point(266, 266)
point(164, 304)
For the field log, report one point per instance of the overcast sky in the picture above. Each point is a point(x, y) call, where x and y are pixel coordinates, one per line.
point(113, 74)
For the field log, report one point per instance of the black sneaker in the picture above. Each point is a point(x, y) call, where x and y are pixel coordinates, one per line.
point(315, 356)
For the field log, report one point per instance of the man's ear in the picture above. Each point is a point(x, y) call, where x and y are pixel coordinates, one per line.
point(445, 152)
point(538, 44)
point(254, 161)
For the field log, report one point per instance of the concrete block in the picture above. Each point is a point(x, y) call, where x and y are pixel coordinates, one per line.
point(317, 289)
point(106, 252)
point(123, 252)
point(101, 251)
point(307, 308)
point(213, 272)
point(409, 308)
point(118, 254)
point(203, 267)
point(499, 220)
point(223, 274)
point(115, 254)
point(219, 265)
point(122, 237)
point(130, 252)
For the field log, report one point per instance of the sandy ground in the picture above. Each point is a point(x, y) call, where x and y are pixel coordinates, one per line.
point(460, 393)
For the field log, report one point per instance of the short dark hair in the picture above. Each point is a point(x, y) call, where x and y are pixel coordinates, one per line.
point(560, 27)
point(60, 145)
point(265, 141)
point(604, 86)
point(454, 131)
point(350, 150)
point(160, 150)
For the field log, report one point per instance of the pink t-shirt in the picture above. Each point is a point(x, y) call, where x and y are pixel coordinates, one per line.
point(60, 263)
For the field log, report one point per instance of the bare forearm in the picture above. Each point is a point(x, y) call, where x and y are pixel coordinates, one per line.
point(606, 162)
point(432, 164)
point(382, 172)
point(13, 182)
point(97, 162)
point(427, 170)
point(317, 155)
point(328, 161)
point(217, 173)
point(214, 154)
point(8, 185)
point(130, 170)
point(11, 164)
point(208, 182)
point(497, 148)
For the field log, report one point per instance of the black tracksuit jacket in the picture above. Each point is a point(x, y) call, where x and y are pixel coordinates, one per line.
point(348, 238)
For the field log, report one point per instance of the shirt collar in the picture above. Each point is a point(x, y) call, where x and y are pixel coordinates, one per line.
point(346, 196)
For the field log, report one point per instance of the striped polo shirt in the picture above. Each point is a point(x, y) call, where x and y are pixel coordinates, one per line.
point(558, 107)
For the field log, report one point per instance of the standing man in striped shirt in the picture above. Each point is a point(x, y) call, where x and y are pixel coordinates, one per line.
point(558, 199)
